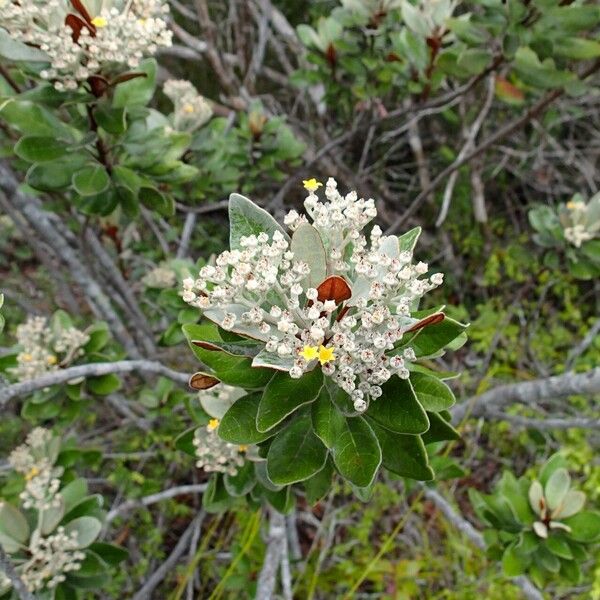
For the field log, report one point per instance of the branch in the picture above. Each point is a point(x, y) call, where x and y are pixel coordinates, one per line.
point(156, 578)
point(198, 488)
point(267, 579)
point(585, 343)
point(529, 392)
point(18, 586)
point(529, 590)
point(500, 134)
point(545, 424)
point(91, 370)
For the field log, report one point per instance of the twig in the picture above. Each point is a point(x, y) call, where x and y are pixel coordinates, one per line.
point(92, 370)
point(500, 134)
point(529, 392)
point(286, 576)
point(268, 575)
point(156, 578)
point(590, 337)
point(529, 590)
point(13, 576)
point(186, 235)
point(196, 488)
point(545, 424)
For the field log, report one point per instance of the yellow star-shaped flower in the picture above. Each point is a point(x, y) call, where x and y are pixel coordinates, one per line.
point(326, 355)
point(213, 424)
point(243, 448)
point(309, 353)
point(188, 108)
point(573, 204)
point(99, 22)
point(312, 185)
point(33, 472)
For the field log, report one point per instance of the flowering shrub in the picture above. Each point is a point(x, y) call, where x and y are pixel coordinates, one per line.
point(191, 109)
point(322, 329)
point(48, 524)
point(573, 231)
point(538, 526)
point(47, 345)
point(87, 42)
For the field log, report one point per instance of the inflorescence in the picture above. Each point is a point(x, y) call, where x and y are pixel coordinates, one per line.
point(260, 291)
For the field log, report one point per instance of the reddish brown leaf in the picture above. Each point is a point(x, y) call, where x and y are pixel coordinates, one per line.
point(508, 92)
point(126, 77)
point(98, 84)
point(427, 321)
point(82, 10)
point(334, 288)
point(76, 24)
point(202, 381)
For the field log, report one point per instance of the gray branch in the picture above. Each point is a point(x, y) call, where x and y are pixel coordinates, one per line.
point(18, 586)
point(273, 557)
point(157, 577)
point(545, 424)
point(198, 488)
point(92, 370)
point(529, 590)
point(529, 393)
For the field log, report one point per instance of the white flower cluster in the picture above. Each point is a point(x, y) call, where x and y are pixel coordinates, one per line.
point(100, 40)
point(259, 291)
point(191, 109)
point(42, 478)
point(214, 454)
point(161, 277)
point(44, 348)
point(50, 558)
point(580, 220)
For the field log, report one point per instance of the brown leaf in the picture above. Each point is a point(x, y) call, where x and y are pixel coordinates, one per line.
point(202, 381)
point(126, 77)
point(427, 321)
point(76, 24)
point(334, 288)
point(98, 84)
point(82, 10)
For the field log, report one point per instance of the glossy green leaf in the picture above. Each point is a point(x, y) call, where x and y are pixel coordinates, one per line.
point(40, 149)
point(433, 395)
point(90, 180)
point(238, 425)
point(284, 395)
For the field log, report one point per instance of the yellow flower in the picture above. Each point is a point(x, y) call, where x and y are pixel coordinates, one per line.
point(213, 424)
point(99, 22)
point(326, 355)
point(188, 108)
point(573, 204)
point(312, 185)
point(309, 352)
point(26, 357)
point(33, 472)
point(51, 360)
point(243, 448)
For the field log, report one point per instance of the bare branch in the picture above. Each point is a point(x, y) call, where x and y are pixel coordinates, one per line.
point(267, 578)
point(92, 370)
point(529, 392)
point(529, 590)
point(546, 424)
point(197, 488)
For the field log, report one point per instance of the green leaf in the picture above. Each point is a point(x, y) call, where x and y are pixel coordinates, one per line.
point(474, 60)
point(559, 547)
point(556, 488)
point(585, 526)
point(556, 461)
point(577, 48)
point(40, 149)
point(16, 51)
point(238, 425)
point(356, 452)
point(74, 492)
point(433, 338)
point(52, 516)
point(572, 503)
point(91, 180)
point(327, 420)
point(104, 385)
point(112, 120)
point(307, 247)
point(241, 483)
point(154, 199)
point(408, 240)
point(246, 218)
point(540, 74)
point(110, 553)
point(512, 562)
point(138, 91)
point(398, 408)
point(296, 453)
point(404, 455)
point(185, 442)
point(87, 528)
point(284, 395)
point(12, 523)
point(53, 175)
point(434, 395)
point(319, 484)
